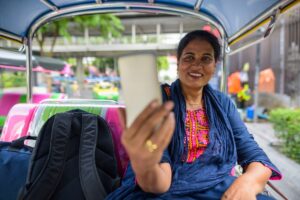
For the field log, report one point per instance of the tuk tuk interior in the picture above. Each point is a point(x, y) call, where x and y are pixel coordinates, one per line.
point(234, 19)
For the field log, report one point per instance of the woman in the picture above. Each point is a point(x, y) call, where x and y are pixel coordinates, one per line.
point(209, 138)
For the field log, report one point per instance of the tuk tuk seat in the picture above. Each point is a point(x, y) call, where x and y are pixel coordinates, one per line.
point(17, 122)
point(9, 99)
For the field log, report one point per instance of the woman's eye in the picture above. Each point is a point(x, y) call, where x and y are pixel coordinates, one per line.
point(188, 58)
point(206, 60)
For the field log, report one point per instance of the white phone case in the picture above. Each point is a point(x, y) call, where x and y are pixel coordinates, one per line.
point(139, 83)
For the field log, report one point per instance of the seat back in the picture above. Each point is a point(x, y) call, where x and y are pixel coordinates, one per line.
point(9, 99)
point(17, 122)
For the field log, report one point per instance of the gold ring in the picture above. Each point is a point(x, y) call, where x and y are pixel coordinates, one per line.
point(150, 146)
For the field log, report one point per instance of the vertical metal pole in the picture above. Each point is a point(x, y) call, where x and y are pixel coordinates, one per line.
point(282, 56)
point(256, 79)
point(226, 70)
point(223, 82)
point(29, 71)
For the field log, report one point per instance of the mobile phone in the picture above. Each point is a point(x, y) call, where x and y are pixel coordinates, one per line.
point(139, 83)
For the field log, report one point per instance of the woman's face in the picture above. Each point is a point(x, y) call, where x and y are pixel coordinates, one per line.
point(197, 64)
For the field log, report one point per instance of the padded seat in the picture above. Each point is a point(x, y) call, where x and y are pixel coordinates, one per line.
point(17, 122)
point(9, 99)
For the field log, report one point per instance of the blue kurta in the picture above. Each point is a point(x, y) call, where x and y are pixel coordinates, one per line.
point(209, 176)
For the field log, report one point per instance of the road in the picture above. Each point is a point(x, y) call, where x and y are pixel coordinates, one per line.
point(290, 184)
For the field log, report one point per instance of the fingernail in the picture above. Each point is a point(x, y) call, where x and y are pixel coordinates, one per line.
point(169, 105)
point(154, 103)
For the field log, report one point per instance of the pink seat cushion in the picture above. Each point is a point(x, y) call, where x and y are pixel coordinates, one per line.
point(116, 123)
point(7, 101)
point(36, 98)
point(17, 122)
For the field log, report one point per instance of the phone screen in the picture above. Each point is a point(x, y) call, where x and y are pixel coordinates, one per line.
point(139, 83)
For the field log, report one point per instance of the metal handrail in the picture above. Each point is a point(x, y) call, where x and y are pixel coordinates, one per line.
point(122, 7)
point(106, 8)
point(50, 5)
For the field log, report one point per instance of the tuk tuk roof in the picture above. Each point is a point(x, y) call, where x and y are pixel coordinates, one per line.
point(20, 19)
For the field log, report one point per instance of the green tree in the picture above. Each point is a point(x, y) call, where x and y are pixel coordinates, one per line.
point(106, 23)
point(15, 79)
point(103, 63)
point(162, 63)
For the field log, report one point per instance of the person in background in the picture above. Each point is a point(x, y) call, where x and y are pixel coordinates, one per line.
point(187, 147)
point(243, 96)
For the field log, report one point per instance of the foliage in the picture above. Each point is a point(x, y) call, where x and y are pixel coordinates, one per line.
point(287, 125)
point(16, 79)
point(106, 23)
point(71, 61)
point(103, 63)
point(162, 63)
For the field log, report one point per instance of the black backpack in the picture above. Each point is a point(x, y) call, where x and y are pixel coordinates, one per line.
point(73, 159)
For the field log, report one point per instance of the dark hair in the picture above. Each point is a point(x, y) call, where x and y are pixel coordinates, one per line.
point(200, 35)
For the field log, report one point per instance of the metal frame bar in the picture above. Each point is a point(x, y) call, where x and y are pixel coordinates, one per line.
point(223, 85)
point(105, 8)
point(29, 72)
point(271, 25)
point(249, 44)
point(246, 46)
point(22, 48)
point(90, 9)
point(10, 36)
point(51, 5)
point(198, 5)
point(284, 6)
point(268, 31)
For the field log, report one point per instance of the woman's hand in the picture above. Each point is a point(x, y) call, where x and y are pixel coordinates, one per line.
point(243, 188)
point(145, 140)
point(249, 184)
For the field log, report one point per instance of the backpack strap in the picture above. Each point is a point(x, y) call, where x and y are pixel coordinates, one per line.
point(48, 179)
point(91, 184)
point(19, 143)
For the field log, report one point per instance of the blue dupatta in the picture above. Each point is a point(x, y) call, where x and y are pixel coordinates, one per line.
point(220, 155)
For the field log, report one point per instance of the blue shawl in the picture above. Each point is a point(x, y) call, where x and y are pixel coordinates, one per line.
point(220, 155)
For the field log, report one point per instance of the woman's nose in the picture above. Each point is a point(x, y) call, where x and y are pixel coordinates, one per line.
point(198, 63)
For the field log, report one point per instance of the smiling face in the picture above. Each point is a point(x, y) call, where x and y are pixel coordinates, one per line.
point(196, 64)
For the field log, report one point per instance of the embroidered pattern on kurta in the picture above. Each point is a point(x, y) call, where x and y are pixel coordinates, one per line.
point(196, 138)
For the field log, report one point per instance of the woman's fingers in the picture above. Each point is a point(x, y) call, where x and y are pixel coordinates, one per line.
point(162, 136)
point(153, 123)
point(131, 131)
